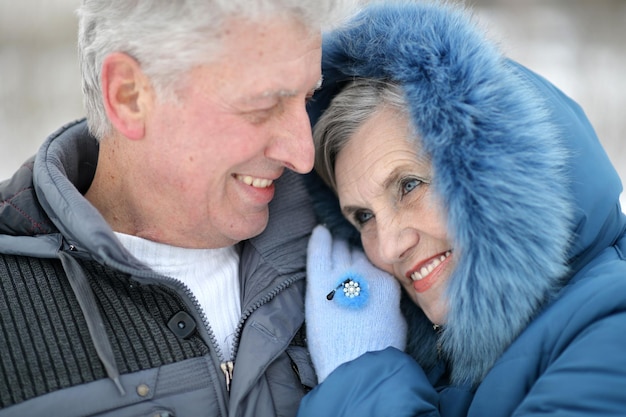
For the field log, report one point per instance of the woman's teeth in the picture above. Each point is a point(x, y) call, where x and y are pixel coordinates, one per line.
point(427, 269)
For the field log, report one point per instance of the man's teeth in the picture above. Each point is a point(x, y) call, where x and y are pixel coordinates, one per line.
point(427, 269)
point(255, 182)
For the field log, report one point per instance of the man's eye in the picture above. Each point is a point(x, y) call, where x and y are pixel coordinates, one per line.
point(361, 217)
point(259, 116)
point(409, 185)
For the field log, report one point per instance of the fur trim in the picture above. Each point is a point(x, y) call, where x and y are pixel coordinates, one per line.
point(497, 161)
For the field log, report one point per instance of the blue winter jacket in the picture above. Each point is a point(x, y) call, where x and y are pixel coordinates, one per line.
point(537, 315)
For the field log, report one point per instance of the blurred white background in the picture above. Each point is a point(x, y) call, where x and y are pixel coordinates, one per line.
point(580, 45)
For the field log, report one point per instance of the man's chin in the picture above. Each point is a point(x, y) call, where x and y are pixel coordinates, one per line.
point(251, 226)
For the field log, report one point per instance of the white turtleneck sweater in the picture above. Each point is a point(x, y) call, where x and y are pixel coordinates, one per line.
point(212, 275)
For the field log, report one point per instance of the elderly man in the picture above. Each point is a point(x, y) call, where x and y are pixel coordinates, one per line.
point(152, 257)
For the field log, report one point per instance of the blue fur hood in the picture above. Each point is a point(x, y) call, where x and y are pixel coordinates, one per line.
point(531, 196)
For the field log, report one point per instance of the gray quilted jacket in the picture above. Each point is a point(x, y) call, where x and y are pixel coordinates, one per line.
point(86, 329)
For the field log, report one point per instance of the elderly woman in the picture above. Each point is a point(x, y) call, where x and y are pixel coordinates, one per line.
point(483, 190)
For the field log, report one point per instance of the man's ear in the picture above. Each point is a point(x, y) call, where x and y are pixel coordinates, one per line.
point(126, 92)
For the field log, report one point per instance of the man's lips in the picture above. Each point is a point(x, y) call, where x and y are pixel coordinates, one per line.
point(253, 181)
point(256, 191)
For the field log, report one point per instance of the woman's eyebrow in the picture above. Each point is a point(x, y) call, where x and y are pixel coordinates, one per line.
point(348, 211)
point(394, 176)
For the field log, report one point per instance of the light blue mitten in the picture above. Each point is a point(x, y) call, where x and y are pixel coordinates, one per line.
point(352, 307)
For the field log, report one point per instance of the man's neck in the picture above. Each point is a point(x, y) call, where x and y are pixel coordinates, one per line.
point(107, 191)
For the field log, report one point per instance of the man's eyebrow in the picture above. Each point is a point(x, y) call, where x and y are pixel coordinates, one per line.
point(279, 93)
point(274, 93)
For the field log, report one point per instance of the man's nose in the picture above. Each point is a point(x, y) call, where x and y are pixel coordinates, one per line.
point(293, 143)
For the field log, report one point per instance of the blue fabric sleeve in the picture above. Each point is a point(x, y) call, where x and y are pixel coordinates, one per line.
point(381, 383)
point(588, 378)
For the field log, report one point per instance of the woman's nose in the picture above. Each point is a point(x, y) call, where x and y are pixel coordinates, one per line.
point(396, 240)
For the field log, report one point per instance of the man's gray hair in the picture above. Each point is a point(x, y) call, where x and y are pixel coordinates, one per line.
point(169, 37)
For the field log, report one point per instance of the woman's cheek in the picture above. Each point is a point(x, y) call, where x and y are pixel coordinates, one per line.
point(370, 247)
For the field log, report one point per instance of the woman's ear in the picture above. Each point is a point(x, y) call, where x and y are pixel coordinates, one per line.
point(126, 92)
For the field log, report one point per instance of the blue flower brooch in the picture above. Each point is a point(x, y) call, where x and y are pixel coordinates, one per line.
point(351, 291)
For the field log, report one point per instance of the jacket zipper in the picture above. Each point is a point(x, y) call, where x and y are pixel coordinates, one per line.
point(226, 366)
point(179, 285)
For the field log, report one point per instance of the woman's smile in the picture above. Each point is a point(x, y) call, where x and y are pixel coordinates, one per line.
point(426, 272)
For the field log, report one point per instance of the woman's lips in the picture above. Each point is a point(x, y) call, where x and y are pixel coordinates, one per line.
point(425, 274)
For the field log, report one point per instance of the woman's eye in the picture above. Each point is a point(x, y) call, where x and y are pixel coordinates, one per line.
point(409, 185)
point(361, 217)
